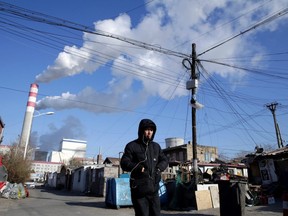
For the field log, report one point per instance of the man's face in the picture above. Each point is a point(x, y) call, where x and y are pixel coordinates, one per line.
point(148, 133)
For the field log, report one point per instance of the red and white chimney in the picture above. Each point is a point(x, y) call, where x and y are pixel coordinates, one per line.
point(26, 129)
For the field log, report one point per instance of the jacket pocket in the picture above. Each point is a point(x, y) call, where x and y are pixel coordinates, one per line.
point(142, 187)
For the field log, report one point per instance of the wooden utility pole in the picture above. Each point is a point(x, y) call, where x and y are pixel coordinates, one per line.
point(194, 141)
point(192, 85)
point(272, 107)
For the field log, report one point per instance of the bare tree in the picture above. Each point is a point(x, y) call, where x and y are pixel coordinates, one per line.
point(17, 167)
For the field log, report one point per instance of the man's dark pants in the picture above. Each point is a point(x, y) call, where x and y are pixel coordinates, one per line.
point(148, 205)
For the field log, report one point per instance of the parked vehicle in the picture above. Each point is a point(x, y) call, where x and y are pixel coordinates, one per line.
point(30, 185)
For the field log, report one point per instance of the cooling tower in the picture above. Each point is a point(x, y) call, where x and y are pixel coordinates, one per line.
point(172, 142)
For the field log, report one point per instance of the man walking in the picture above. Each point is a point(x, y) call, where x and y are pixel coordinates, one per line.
point(145, 161)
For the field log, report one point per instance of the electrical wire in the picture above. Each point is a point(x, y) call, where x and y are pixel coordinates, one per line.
point(262, 22)
point(56, 44)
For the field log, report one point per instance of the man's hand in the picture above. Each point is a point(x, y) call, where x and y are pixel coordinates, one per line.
point(143, 169)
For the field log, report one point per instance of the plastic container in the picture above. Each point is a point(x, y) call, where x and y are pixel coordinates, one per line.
point(118, 193)
point(163, 193)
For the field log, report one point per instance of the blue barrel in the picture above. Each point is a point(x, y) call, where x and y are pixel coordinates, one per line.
point(163, 193)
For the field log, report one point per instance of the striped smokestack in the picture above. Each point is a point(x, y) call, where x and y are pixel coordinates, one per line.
point(26, 129)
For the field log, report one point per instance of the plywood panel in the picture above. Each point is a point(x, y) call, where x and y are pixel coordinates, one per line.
point(205, 186)
point(203, 199)
point(214, 191)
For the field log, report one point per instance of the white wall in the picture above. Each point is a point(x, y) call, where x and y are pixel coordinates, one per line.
point(73, 148)
point(68, 150)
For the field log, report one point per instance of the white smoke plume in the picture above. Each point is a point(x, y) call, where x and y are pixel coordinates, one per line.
point(137, 74)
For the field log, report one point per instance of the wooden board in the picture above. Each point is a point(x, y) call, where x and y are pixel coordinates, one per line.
point(214, 191)
point(203, 199)
point(205, 186)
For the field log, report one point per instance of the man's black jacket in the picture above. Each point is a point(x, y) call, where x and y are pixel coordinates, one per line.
point(141, 153)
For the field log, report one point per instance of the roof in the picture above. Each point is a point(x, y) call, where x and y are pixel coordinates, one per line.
point(73, 140)
point(111, 160)
point(230, 165)
point(2, 123)
point(46, 162)
point(212, 164)
point(172, 148)
point(280, 152)
point(184, 146)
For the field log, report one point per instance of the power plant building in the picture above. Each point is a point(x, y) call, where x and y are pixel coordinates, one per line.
point(69, 149)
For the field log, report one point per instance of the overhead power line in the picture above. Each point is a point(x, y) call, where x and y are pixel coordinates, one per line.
point(245, 69)
point(262, 22)
point(43, 18)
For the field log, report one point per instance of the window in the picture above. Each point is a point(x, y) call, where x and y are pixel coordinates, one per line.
point(207, 156)
point(181, 157)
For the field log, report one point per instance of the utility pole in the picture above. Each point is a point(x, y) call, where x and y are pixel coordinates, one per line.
point(192, 85)
point(272, 107)
point(194, 142)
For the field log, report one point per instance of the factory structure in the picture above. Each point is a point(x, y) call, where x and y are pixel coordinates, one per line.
point(50, 162)
point(68, 150)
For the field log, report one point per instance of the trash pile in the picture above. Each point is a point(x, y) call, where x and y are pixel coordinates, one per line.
point(221, 173)
point(13, 190)
point(10, 190)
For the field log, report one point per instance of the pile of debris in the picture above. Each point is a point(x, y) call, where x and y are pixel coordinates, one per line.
point(13, 190)
point(221, 173)
point(10, 190)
